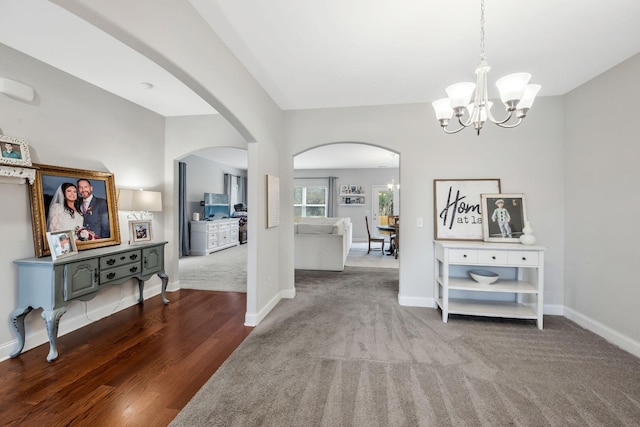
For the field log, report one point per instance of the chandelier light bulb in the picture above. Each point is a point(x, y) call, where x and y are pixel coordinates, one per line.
point(515, 93)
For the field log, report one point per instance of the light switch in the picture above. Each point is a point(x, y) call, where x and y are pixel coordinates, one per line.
point(420, 223)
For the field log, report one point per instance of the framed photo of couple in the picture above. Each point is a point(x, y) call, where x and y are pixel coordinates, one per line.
point(140, 231)
point(78, 200)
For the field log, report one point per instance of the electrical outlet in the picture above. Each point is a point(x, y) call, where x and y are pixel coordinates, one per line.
point(420, 223)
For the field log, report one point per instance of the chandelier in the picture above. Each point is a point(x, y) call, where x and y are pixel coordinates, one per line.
point(515, 92)
point(393, 186)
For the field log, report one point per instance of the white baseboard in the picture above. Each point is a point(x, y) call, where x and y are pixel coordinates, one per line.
point(253, 319)
point(416, 301)
point(604, 331)
point(553, 310)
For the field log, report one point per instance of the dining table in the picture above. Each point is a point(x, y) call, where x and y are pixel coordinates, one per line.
point(388, 229)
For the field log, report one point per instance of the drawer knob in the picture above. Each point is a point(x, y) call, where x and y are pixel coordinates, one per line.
point(133, 256)
point(133, 269)
point(524, 258)
point(111, 261)
point(464, 256)
point(493, 257)
point(111, 275)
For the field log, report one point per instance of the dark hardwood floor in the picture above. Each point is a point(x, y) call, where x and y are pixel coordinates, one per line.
point(137, 367)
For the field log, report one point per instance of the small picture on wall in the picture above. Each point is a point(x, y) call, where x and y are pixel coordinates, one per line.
point(344, 189)
point(504, 217)
point(14, 151)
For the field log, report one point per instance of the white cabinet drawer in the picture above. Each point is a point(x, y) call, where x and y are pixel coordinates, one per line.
point(523, 258)
point(212, 226)
point(467, 256)
point(493, 257)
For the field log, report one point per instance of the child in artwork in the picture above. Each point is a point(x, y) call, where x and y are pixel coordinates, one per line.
point(501, 215)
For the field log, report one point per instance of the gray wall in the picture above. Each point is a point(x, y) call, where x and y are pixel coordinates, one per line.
point(73, 124)
point(602, 204)
point(528, 159)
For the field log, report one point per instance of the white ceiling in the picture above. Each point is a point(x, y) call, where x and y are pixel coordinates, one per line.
point(337, 53)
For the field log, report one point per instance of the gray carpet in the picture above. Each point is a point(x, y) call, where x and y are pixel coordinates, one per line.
point(225, 270)
point(344, 353)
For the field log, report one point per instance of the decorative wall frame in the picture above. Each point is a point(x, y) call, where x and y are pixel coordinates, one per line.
point(457, 207)
point(62, 244)
point(14, 151)
point(273, 201)
point(96, 228)
point(503, 223)
point(140, 231)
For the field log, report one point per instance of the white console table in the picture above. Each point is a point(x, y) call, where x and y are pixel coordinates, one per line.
point(525, 262)
point(52, 285)
point(211, 236)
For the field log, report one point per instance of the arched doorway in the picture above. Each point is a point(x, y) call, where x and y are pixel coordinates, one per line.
point(357, 171)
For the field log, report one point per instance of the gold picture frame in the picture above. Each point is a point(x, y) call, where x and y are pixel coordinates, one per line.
point(96, 227)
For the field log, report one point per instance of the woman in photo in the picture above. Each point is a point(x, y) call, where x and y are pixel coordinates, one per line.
point(64, 212)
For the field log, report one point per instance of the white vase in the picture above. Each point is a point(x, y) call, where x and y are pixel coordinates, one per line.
point(527, 237)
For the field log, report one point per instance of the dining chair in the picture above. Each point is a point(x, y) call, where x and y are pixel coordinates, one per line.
point(373, 239)
point(395, 238)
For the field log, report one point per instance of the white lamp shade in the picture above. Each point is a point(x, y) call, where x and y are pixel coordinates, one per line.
point(529, 96)
point(512, 87)
point(443, 108)
point(125, 199)
point(460, 94)
point(148, 201)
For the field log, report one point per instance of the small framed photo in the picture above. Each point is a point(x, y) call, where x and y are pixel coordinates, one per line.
point(503, 217)
point(62, 244)
point(353, 189)
point(14, 151)
point(140, 231)
point(344, 189)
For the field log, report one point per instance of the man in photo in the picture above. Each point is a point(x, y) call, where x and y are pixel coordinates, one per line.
point(94, 210)
point(10, 153)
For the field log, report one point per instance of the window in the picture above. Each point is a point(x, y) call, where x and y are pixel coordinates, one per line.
point(309, 201)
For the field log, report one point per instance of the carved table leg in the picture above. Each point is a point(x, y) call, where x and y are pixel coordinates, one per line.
point(52, 319)
point(141, 288)
point(165, 279)
point(17, 317)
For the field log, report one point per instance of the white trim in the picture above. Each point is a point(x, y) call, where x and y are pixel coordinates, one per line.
point(553, 310)
point(604, 331)
point(416, 301)
point(253, 319)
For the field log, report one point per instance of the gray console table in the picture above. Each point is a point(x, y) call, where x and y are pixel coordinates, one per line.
point(51, 285)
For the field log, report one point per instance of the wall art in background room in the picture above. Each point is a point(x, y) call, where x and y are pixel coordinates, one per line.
point(73, 199)
point(503, 217)
point(457, 207)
